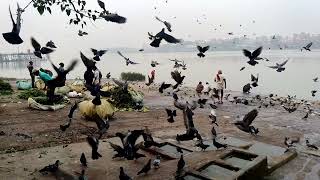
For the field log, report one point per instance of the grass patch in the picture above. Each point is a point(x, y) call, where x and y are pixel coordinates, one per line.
point(31, 93)
point(5, 88)
point(132, 76)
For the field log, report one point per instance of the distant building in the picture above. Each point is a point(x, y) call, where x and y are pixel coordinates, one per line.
point(16, 57)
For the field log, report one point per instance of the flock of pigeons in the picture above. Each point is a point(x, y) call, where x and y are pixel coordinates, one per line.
point(129, 149)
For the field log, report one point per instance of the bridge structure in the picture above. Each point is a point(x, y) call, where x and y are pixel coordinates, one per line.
point(20, 57)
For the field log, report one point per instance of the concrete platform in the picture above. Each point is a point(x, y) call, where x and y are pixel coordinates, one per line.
point(219, 166)
point(239, 163)
point(276, 155)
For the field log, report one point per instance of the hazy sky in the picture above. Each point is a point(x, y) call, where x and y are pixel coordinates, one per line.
point(282, 17)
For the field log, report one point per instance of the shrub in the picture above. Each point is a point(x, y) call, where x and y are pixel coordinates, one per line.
point(5, 88)
point(31, 93)
point(132, 76)
point(122, 98)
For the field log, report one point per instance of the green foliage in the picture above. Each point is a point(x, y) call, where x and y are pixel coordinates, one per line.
point(122, 98)
point(5, 88)
point(76, 11)
point(69, 7)
point(132, 76)
point(45, 101)
point(31, 93)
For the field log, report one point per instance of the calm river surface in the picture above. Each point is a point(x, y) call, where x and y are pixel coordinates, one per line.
point(295, 80)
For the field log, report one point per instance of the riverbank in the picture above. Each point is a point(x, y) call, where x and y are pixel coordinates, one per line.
point(25, 129)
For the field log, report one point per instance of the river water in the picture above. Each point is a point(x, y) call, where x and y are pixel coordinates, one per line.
point(295, 80)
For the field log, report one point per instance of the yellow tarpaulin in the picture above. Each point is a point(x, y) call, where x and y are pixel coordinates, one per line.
point(89, 110)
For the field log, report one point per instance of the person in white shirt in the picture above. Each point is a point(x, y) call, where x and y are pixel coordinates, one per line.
point(206, 89)
point(96, 79)
point(221, 84)
point(97, 76)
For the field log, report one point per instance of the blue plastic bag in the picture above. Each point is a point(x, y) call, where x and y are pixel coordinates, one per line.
point(24, 85)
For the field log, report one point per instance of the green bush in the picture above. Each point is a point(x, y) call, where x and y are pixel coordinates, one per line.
point(5, 88)
point(132, 76)
point(122, 98)
point(31, 93)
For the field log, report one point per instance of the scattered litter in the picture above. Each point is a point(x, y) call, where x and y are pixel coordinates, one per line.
point(23, 135)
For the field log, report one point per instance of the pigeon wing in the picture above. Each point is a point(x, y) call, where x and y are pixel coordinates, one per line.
point(273, 67)
point(168, 25)
point(205, 48)
point(309, 45)
point(101, 124)
point(253, 78)
point(14, 25)
point(116, 147)
point(165, 86)
point(87, 62)
point(158, 19)
point(175, 76)
point(121, 54)
point(284, 63)
point(199, 48)
point(102, 52)
point(257, 52)
point(248, 118)
point(115, 18)
point(35, 44)
point(45, 50)
point(94, 51)
point(246, 53)
point(135, 134)
point(150, 35)
point(170, 39)
point(102, 5)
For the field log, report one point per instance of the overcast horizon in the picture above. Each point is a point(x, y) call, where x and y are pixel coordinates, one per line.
point(284, 17)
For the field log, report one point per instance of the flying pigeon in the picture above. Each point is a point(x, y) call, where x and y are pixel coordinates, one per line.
point(98, 53)
point(128, 61)
point(245, 124)
point(162, 35)
point(202, 50)
point(13, 36)
point(307, 47)
point(252, 56)
point(38, 50)
point(51, 44)
point(167, 24)
point(279, 67)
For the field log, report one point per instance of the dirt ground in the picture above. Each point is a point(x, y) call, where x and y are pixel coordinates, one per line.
point(27, 130)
